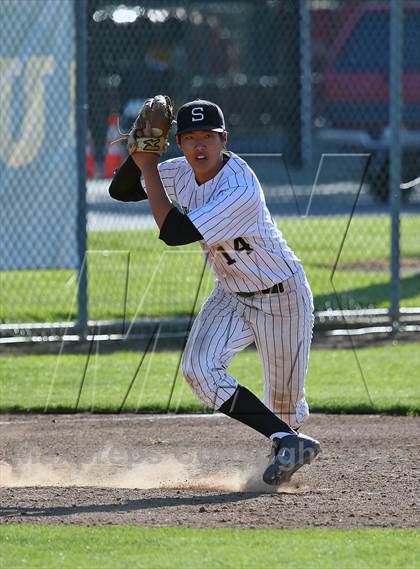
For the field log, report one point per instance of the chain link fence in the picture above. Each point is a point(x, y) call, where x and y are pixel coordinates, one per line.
point(304, 86)
point(38, 160)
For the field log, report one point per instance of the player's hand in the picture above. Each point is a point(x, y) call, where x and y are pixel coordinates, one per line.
point(145, 160)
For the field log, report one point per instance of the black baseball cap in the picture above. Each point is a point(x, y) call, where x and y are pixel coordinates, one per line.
point(200, 115)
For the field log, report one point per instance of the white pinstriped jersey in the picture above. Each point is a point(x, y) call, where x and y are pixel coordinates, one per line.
point(244, 246)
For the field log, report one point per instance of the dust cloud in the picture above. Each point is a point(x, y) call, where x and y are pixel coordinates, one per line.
point(167, 472)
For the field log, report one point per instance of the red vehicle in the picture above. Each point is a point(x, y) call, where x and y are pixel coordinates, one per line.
point(354, 101)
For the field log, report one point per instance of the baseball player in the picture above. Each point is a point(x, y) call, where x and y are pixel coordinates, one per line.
point(261, 293)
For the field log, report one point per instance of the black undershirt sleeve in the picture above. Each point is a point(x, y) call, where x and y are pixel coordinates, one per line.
point(126, 185)
point(178, 229)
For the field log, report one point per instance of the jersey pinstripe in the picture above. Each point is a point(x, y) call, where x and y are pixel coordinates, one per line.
point(244, 246)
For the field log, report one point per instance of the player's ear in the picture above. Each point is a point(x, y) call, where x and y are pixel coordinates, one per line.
point(178, 141)
point(225, 137)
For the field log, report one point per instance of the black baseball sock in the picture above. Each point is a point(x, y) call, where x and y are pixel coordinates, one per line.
point(245, 407)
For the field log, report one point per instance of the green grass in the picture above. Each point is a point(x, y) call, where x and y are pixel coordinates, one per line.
point(162, 281)
point(334, 381)
point(187, 548)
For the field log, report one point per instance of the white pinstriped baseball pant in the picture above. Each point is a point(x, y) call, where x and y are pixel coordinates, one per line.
point(280, 324)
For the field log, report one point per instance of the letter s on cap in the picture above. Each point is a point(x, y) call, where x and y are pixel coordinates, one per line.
point(197, 114)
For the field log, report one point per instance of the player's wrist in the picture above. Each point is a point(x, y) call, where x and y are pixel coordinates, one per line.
point(147, 162)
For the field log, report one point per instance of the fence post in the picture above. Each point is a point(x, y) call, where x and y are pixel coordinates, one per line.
point(396, 28)
point(81, 137)
point(305, 82)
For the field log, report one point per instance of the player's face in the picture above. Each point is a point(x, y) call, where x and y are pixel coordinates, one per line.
point(203, 150)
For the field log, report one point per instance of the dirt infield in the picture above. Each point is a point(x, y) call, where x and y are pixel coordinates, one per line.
point(204, 472)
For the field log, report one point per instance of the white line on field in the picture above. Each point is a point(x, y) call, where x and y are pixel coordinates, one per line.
point(118, 418)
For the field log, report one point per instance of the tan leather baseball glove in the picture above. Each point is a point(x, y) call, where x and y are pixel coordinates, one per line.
point(150, 130)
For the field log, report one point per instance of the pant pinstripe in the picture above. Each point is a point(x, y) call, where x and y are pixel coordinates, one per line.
point(280, 324)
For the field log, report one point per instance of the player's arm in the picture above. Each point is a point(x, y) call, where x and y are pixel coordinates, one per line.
point(126, 184)
point(175, 227)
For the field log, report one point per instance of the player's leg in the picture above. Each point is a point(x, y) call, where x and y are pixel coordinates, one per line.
point(217, 335)
point(283, 331)
point(219, 332)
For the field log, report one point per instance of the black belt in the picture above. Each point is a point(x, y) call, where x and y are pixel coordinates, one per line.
point(275, 288)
